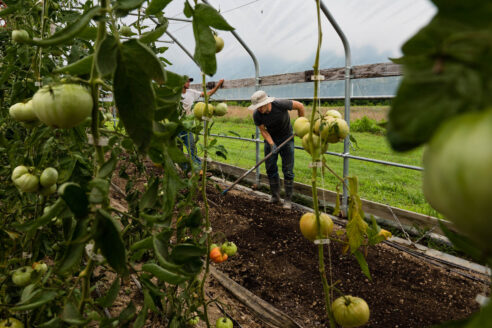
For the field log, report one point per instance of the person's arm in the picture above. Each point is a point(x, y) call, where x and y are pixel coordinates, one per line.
point(214, 89)
point(299, 107)
point(266, 135)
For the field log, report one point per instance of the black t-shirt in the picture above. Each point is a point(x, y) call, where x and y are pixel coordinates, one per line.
point(277, 122)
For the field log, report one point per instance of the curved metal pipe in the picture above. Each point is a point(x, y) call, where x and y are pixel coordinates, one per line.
point(348, 68)
point(257, 87)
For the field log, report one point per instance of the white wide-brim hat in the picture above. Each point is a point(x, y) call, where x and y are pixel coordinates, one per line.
point(260, 98)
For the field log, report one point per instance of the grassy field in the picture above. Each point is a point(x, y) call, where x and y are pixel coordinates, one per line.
point(385, 184)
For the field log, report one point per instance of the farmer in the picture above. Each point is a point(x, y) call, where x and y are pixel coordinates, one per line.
point(272, 118)
point(188, 98)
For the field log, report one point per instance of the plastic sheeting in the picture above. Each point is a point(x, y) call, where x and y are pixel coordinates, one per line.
point(382, 87)
point(283, 34)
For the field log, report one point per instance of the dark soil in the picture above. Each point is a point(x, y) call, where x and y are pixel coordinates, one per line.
point(277, 264)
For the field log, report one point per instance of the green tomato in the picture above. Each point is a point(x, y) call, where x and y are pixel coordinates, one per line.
point(229, 248)
point(458, 173)
point(333, 129)
point(19, 171)
point(22, 276)
point(126, 30)
point(48, 177)
point(223, 322)
point(219, 43)
point(46, 191)
point(220, 109)
point(62, 105)
point(309, 227)
point(20, 36)
point(24, 180)
point(40, 267)
point(350, 311)
point(333, 113)
point(23, 112)
point(11, 323)
point(193, 321)
point(199, 110)
point(301, 126)
point(313, 148)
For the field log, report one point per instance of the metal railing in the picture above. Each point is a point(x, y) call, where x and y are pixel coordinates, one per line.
point(343, 155)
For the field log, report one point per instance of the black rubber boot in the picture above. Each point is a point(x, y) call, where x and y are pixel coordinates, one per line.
point(275, 189)
point(288, 186)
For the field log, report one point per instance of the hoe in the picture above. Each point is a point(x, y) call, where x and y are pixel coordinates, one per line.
point(257, 164)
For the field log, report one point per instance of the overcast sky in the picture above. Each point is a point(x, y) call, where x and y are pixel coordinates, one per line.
point(283, 34)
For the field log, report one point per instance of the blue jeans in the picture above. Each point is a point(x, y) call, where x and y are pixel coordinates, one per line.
point(287, 155)
point(189, 142)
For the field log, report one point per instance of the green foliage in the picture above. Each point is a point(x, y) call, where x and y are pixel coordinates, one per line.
point(366, 124)
point(76, 227)
point(447, 72)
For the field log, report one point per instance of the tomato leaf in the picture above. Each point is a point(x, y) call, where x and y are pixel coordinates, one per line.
point(88, 33)
point(447, 72)
point(356, 226)
point(80, 67)
point(108, 167)
point(141, 317)
point(110, 296)
point(184, 252)
point(106, 55)
point(70, 31)
point(156, 6)
point(192, 220)
point(108, 240)
point(164, 274)
point(205, 47)
point(154, 35)
point(99, 191)
point(168, 95)
point(127, 314)
point(145, 243)
point(207, 15)
point(150, 196)
point(134, 96)
point(188, 10)
point(75, 250)
point(76, 199)
point(123, 7)
point(72, 315)
point(149, 301)
point(41, 299)
point(363, 264)
point(53, 211)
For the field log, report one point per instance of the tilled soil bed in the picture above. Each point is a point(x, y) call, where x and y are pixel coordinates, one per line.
point(277, 264)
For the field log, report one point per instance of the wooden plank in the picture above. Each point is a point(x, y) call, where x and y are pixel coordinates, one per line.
point(389, 213)
point(330, 74)
point(265, 311)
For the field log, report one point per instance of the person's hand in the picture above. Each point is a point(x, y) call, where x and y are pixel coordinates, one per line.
point(221, 81)
point(273, 148)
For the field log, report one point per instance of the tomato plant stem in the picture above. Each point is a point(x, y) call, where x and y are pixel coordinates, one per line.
point(101, 33)
point(205, 203)
point(326, 287)
point(86, 284)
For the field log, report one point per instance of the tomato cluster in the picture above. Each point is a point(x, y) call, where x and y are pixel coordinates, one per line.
point(26, 180)
point(329, 128)
point(220, 253)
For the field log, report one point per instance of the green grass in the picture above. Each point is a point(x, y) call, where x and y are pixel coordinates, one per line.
point(385, 184)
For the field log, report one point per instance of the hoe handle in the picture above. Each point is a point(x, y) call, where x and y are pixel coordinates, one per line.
point(257, 164)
